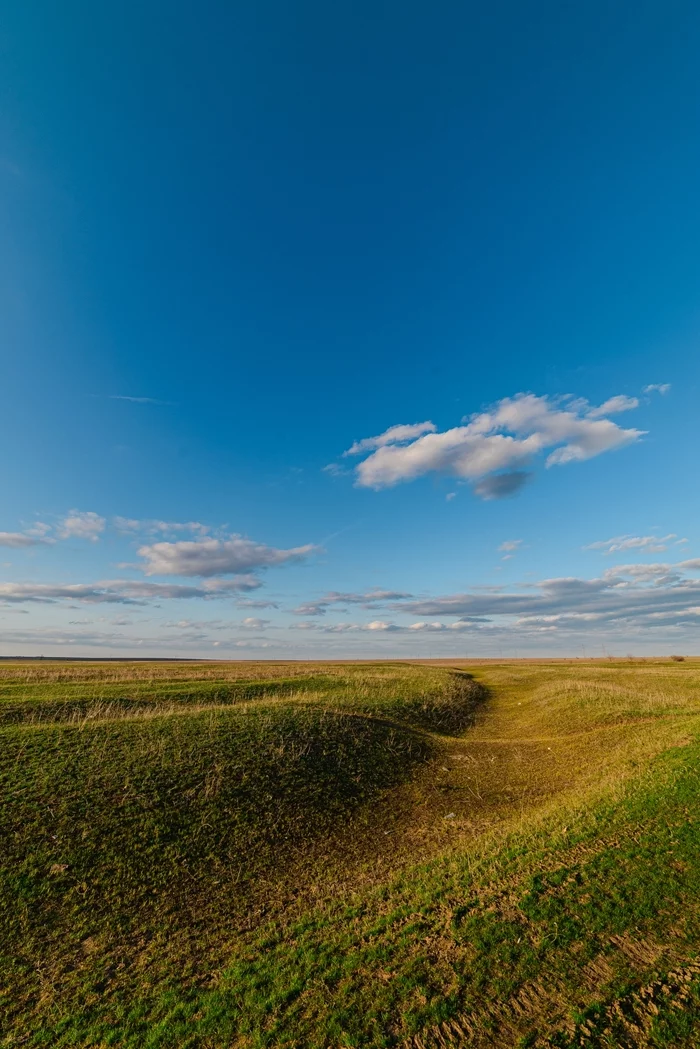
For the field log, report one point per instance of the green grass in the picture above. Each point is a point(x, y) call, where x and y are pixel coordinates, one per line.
point(351, 856)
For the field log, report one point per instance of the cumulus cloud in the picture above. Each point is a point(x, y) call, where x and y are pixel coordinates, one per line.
point(82, 525)
point(253, 623)
point(400, 434)
point(40, 530)
point(613, 406)
point(209, 557)
point(500, 442)
point(651, 544)
point(657, 387)
point(36, 535)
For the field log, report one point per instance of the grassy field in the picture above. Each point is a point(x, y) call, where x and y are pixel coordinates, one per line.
point(246, 855)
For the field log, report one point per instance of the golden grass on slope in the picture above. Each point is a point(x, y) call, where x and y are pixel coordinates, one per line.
point(546, 730)
point(547, 742)
point(553, 738)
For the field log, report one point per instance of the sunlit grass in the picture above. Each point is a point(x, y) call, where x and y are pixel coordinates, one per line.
point(344, 854)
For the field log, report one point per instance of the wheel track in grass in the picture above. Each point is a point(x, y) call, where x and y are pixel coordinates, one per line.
point(624, 1022)
point(540, 1014)
point(565, 737)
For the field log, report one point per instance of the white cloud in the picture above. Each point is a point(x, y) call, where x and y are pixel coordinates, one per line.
point(649, 604)
point(126, 524)
point(124, 591)
point(251, 644)
point(195, 642)
point(613, 406)
point(657, 387)
point(651, 544)
point(395, 435)
point(509, 546)
point(16, 540)
point(498, 442)
point(130, 525)
point(634, 597)
point(208, 557)
point(450, 496)
point(247, 603)
point(39, 529)
point(218, 624)
point(82, 525)
point(62, 638)
point(253, 623)
point(368, 599)
point(378, 626)
point(139, 400)
point(334, 470)
point(37, 535)
point(656, 573)
point(47, 592)
point(193, 624)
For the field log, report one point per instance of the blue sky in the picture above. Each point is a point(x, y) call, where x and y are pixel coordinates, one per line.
point(239, 241)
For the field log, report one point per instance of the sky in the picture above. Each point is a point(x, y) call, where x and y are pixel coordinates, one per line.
point(349, 330)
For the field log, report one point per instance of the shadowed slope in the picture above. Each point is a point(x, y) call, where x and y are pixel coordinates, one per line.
point(120, 824)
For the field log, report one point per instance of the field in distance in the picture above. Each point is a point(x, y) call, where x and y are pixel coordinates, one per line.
point(332, 855)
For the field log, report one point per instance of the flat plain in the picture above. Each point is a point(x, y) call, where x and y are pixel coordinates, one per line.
point(330, 855)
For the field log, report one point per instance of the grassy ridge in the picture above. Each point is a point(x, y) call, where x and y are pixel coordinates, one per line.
point(375, 856)
point(433, 699)
point(120, 823)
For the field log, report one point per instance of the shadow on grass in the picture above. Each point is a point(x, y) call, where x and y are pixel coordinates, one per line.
point(449, 712)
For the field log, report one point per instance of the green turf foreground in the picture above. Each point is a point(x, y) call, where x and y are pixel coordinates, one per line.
point(141, 899)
